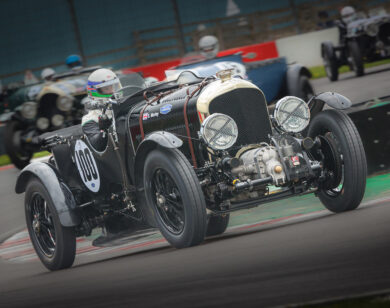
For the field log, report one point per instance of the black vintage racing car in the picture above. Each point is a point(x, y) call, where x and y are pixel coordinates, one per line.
point(181, 155)
point(363, 40)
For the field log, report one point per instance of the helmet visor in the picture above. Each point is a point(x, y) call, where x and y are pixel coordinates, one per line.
point(108, 88)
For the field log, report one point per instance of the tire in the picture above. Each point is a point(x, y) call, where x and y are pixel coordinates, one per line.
point(330, 64)
point(20, 160)
point(173, 191)
point(49, 230)
point(217, 225)
point(357, 58)
point(347, 189)
point(306, 90)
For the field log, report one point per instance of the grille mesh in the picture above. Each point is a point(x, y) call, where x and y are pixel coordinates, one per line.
point(248, 108)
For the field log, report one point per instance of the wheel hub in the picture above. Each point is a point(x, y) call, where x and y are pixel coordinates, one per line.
point(332, 161)
point(36, 225)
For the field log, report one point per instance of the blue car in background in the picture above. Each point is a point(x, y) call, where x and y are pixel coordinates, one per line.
point(274, 77)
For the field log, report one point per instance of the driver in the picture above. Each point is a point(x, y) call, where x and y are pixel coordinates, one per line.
point(209, 46)
point(348, 14)
point(102, 84)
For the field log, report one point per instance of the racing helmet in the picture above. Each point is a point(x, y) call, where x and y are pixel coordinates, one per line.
point(73, 61)
point(209, 46)
point(348, 14)
point(102, 84)
point(47, 73)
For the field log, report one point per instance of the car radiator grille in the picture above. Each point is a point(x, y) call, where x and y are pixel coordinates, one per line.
point(248, 108)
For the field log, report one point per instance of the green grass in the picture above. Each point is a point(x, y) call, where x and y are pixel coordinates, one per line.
point(4, 159)
point(319, 71)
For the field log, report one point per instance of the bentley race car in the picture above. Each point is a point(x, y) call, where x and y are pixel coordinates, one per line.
point(183, 154)
point(363, 40)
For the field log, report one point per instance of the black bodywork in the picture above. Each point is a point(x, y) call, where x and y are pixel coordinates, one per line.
point(361, 41)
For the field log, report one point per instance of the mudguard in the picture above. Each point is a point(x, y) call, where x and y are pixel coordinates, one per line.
point(152, 141)
point(332, 99)
point(293, 75)
point(59, 192)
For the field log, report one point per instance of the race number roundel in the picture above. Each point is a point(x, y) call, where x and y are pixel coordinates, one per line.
point(87, 166)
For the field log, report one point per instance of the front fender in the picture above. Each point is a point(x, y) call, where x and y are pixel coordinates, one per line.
point(59, 192)
point(293, 75)
point(5, 117)
point(332, 99)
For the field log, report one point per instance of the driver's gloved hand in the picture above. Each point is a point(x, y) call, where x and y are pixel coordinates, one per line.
point(104, 122)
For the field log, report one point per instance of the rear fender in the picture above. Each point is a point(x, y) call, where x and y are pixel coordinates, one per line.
point(151, 142)
point(293, 75)
point(59, 192)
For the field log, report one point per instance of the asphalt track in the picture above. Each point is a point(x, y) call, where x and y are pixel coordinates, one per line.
point(301, 259)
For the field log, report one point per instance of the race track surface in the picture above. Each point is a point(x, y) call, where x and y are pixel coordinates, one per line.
point(286, 259)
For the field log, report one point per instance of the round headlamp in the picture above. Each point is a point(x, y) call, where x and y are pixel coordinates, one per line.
point(64, 103)
point(372, 29)
point(219, 131)
point(43, 123)
point(292, 114)
point(29, 110)
point(57, 120)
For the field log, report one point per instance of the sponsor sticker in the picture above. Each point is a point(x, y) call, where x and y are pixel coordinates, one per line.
point(87, 167)
point(145, 116)
point(166, 109)
point(295, 160)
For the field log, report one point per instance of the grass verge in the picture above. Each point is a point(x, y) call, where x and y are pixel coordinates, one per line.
point(319, 71)
point(4, 159)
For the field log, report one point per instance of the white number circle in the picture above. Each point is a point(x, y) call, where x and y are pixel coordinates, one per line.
point(86, 165)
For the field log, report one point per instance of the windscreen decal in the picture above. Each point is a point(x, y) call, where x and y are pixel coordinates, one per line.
point(87, 167)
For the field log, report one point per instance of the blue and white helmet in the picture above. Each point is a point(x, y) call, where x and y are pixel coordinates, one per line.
point(102, 84)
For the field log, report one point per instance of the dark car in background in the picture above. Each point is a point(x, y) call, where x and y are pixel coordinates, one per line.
point(361, 41)
point(42, 107)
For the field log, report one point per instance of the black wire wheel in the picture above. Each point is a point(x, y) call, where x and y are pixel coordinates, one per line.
point(217, 224)
point(343, 159)
point(173, 191)
point(54, 244)
point(306, 91)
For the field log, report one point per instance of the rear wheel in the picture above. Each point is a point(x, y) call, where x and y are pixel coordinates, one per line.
point(343, 158)
point(20, 158)
point(174, 193)
point(356, 58)
point(306, 91)
point(217, 224)
point(54, 244)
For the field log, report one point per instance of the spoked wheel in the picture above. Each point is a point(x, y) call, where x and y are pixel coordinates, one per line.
point(306, 91)
point(343, 158)
point(12, 135)
point(217, 224)
point(54, 244)
point(173, 191)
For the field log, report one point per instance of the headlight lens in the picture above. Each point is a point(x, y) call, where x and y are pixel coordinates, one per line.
point(372, 29)
point(43, 123)
point(292, 114)
point(219, 131)
point(29, 110)
point(57, 120)
point(64, 103)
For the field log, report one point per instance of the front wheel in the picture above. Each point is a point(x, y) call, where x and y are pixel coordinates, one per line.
point(20, 158)
point(343, 159)
point(173, 191)
point(54, 244)
point(330, 64)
